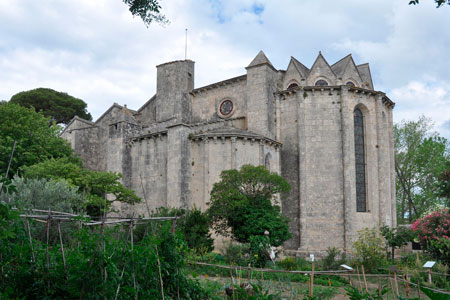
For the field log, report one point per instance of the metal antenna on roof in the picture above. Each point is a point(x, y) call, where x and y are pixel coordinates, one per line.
point(185, 46)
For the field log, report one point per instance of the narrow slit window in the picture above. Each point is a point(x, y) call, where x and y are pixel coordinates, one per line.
point(360, 161)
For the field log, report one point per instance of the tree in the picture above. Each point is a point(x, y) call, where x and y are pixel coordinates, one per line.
point(420, 158)
point(35, 140)
point(243, 205)
point(396, 237)
point(444, 184)
point(101, 189)
point(147, 10)
point(44, 193)
point(439, 3)
point(58, 106)
point(434, 234)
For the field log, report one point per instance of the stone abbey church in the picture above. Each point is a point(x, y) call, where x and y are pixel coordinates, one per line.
point(324, 129)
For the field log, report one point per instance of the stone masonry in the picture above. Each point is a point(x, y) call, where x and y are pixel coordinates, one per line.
point(298, 122)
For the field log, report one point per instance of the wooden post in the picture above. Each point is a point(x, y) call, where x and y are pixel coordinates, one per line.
point(62, 248)
point(379, 288)
point(396, 283)
point(311, 282)
point(429, 276)
point(407, 285)
point(359, 279)
point(132, 258)
point(31, 241)
point(364, 278)
point(418, 289)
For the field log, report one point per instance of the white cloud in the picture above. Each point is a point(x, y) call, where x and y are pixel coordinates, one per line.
point(97, 51)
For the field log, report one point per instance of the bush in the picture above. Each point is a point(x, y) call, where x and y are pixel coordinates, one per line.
point(236, 254)
point(434, 234)
point(369, 249)
point(193, 224)
point(98, 260)
point(243, 205)
point(333, 260)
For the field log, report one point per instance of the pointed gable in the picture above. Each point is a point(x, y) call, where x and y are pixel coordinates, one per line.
point(321, 70)
point(302, 69)
point(260, 59)
point(339, 66)
point(296, 73)
point(366, 77)
point(125, 115)
point(348, 71)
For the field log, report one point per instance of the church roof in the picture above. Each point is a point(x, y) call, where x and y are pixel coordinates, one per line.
point(260, 59)
point(339, 66)
point(126, 115)
point(301, 68)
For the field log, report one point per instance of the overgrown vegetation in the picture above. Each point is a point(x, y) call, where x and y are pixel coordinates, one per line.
point(100, 263)
point(244, 206)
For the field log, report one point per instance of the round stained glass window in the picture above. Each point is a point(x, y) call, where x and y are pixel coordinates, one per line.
point(226, 107)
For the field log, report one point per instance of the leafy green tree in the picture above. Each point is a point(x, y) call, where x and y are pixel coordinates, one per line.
point(420, 158)
point(444, 184)
point(101, 189)
point(244, 205)
point(439, 3)
point(396, 237)
point(195, 227)
point(147, 10)
point(58, 106)
point(369, 248)
point(35, 140)
point(44, 193)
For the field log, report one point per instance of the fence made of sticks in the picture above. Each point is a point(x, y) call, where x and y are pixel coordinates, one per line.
point(396, 283)
point(105, 252)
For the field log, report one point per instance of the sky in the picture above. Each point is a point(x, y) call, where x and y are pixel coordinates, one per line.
point(98, 52)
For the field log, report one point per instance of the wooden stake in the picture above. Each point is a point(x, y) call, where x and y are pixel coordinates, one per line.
point(379, 288)
point(418, 289)
point(31, 241)
point(429, 276)
point(359, 279)
point(364, 277)
point(62, 247)
point(46, 250)
point(311, 282)
point(132, 259)
point(407, 285)
point(159, 268)
point(396, 283)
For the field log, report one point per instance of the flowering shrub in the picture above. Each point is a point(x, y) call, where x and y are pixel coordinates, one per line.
point(434, 234)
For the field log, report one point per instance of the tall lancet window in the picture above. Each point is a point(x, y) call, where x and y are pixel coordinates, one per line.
point(360, 161)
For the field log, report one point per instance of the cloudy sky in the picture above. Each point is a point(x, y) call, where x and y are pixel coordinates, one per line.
point(96, 51)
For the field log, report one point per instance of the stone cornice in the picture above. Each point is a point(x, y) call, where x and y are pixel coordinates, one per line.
point(218, 84)
point(224, 135)
point(386, 101)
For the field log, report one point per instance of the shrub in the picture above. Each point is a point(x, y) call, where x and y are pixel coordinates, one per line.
point(369, 249)
point(333, 259)
point(98, 260)
point(434, 234)
point(236, 254)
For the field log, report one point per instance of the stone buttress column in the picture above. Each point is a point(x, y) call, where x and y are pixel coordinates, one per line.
point(348, 167)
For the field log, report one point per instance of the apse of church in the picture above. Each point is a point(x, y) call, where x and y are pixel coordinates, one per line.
point(324, 129)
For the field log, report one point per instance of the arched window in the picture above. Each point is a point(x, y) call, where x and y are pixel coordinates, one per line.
point(293, 85)
point(349, 83)
point(360, 161)
point(267, 160)
point(321, 82)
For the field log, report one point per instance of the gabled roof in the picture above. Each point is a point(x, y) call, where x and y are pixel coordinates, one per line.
point(126, 115)
point(115, 105)
point(366, 76)
point(77, 118)
point(146, 103)
point(322, 62)
point(260, 59)
point(339, 66)
point(301, 68)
